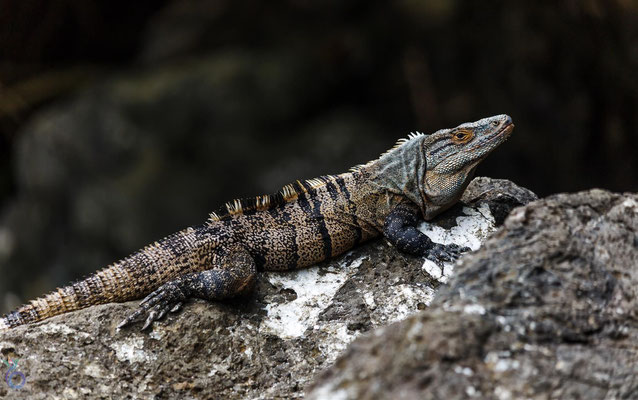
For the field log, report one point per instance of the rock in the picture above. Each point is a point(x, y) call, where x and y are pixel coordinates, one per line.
point(268, 345)
point(545, 309)
point(500, 195)
point(486, 202)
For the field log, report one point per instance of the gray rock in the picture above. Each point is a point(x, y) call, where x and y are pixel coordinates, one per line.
point(500, 195)
point(268, 345)
point(545, 309)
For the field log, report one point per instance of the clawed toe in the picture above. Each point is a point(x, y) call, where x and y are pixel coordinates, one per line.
point(440, 253)
point(157, 305)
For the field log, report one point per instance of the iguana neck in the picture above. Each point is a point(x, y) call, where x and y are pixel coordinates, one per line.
point(400, 171)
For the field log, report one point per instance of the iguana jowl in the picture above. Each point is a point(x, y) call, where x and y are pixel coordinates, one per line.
point(304, 223)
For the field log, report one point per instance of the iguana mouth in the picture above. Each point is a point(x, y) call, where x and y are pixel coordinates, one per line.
point(505, 130)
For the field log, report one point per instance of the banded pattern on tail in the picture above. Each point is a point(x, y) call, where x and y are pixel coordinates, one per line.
point(148, 268)
point(103, 287)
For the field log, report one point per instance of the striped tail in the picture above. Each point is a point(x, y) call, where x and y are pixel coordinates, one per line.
point(103, 287)
point(128, 279)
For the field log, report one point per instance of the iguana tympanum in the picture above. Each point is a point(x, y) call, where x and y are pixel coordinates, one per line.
point(306, 222)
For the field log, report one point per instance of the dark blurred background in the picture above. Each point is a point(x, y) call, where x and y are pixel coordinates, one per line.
point(121, 121)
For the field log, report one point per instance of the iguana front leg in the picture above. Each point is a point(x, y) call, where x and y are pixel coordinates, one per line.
point(400, 229)
point(235, 276)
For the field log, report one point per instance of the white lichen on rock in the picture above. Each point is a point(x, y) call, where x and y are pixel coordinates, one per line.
point(315, 287)
point(131, 349)
point(336, 337)
point(398, 304)
point(470, 230)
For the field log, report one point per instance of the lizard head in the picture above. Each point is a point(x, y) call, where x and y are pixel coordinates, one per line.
point(433, 170)
point(452, 156)
point(449, 151)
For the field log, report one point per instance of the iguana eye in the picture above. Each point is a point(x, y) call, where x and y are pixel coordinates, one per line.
point(462, 136)
point(495, 123)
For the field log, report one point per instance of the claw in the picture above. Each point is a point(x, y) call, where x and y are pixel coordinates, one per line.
point(440, 253)
point(130, 318)
point(167, 297)
point(152, 316)
point(162, 313)
point(150, 298)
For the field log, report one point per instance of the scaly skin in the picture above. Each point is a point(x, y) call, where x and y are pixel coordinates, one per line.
point(304, 223)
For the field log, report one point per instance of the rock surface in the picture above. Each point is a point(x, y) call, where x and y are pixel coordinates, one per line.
point(269, 345)
point(546, 309)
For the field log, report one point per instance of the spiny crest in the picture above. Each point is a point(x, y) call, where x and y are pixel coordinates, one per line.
point(287, 194)
point(234, 207)
point(399, 143)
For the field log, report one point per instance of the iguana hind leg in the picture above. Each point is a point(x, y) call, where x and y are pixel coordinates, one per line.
point(235, 276)
point(400, 229)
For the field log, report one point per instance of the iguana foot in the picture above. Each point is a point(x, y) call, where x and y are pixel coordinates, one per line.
point(168, 297)
point(213, 284)
point(445, 252)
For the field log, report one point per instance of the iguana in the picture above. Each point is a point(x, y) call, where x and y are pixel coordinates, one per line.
point(306, 222)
